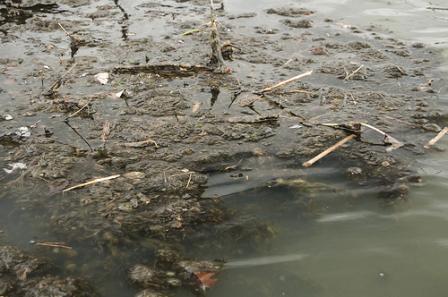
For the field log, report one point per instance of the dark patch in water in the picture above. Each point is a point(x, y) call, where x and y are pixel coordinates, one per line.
point(19, 14)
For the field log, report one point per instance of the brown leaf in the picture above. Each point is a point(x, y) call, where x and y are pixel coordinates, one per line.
point(206, 279)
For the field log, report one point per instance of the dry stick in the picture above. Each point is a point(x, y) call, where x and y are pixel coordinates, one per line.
point(437, 138)
point(74, 43)
point(92, 182)
point(54, 244)
point(105, 133)
point(66, 121)
point(395, 144)
point(141, 143)
point(353, 73)
point(189, 181)
point(285, 82)
point(59, 82)
point(329, 151)
point(437, 8)
point(78, 111)
point(215, 41)
point(65, 31)
point(298, 91)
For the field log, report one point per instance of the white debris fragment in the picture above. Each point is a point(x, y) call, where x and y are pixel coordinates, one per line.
point(14, 167)
point(196, 107)
point(102, 78)
point(23, 132)
point(8, 117)
point(295, 127)
point(122, 94)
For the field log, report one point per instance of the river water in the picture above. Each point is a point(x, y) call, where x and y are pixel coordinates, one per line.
point(352, 245)
point(343, 241)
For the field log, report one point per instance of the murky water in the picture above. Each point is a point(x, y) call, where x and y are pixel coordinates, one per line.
point(354, 245)
point(342, 242)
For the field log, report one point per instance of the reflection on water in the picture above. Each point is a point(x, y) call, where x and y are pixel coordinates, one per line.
point(350, 246)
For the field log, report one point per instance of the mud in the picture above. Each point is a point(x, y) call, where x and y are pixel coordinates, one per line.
point(165, 120)
point(24, 275)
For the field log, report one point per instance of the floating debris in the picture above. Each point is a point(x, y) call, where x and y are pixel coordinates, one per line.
point(14, 167)
point(92, 182)
point(102, 78)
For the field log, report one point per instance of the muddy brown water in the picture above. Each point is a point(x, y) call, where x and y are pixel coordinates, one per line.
point(331, 238)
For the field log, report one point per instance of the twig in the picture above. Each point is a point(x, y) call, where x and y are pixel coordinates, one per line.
point(163, 69)
point(66, 121)
point(437, 8)
point(298, 91)
point(74, 42)
point(141, 143)
point(329, 150)
point(395, 144)
point(192, 31)
point(105, 133)
point(189, 181)
point(353, 73)
point(285, 82)
point(65, 31)
point(78, 111)
point(55, 245)
point(92, 182)
point(437, 138)
point(217, 59)
point(58, 83)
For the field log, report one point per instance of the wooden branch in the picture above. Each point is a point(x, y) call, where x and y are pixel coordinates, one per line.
point(394, 143)
point(54, 245)
point(329, 150)
point(353, 73)
point(437, 138)
point(285, 82)
point(92, 182)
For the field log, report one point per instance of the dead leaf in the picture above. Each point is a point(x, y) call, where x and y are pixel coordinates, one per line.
point(206, 279)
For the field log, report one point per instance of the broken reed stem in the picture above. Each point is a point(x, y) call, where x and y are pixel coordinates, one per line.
point(54, 244)
point(217, 59)
point(437, 138)
point(329, 151)
point(66, 121)
point(374, 129)
point(354, 72)
point(437, 8)
point(65, 31)
point(105, 132)
point(189, 181)
point(143, 143)
point(58, 83)
point(92, 182)
point(285, 82)
point(298, 91)
point(394, 143)
point(78, 111)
